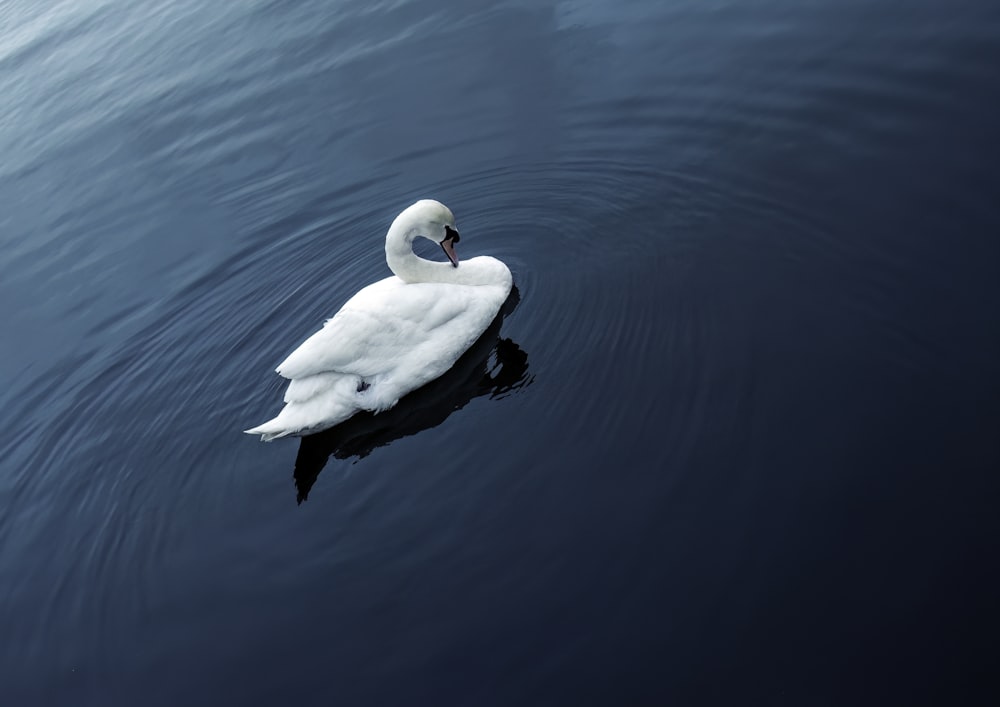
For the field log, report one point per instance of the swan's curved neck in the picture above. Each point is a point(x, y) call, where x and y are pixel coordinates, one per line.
point(407, 265)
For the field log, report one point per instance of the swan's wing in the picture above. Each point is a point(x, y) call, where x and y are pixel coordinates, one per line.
point(389, 327)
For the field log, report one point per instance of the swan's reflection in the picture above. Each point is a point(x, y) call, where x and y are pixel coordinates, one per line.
point(492, 366)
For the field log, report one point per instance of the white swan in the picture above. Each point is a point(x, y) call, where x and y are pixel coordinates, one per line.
point(394, 335)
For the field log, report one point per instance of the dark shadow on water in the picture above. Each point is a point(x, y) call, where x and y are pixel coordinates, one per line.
point(492, 366)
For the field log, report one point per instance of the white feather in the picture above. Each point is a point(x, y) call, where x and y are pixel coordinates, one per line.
point(394, 335)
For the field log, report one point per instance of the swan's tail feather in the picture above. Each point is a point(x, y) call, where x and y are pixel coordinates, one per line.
point(271, 429)
point(315, 403)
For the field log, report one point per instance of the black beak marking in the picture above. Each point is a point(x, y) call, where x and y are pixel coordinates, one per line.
point(448, 245)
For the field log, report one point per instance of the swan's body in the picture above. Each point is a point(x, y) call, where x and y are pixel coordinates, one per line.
point(394, 335)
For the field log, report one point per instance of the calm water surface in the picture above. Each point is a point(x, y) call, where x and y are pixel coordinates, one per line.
point(734, 442)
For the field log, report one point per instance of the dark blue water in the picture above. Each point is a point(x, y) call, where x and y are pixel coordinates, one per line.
point(735, 441)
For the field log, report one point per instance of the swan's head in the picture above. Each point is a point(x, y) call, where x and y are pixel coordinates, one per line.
point(432, 220)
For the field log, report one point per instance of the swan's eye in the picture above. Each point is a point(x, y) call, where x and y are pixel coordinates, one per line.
point(451, 234)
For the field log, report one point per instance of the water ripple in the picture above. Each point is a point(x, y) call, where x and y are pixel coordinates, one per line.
point(190, 190)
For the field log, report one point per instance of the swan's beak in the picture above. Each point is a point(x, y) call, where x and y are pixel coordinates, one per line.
point(448, 245)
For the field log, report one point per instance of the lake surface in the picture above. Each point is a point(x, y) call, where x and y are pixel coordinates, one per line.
point(735, 440)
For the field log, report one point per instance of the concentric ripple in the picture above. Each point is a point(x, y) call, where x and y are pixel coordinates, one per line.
point(712, 211)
